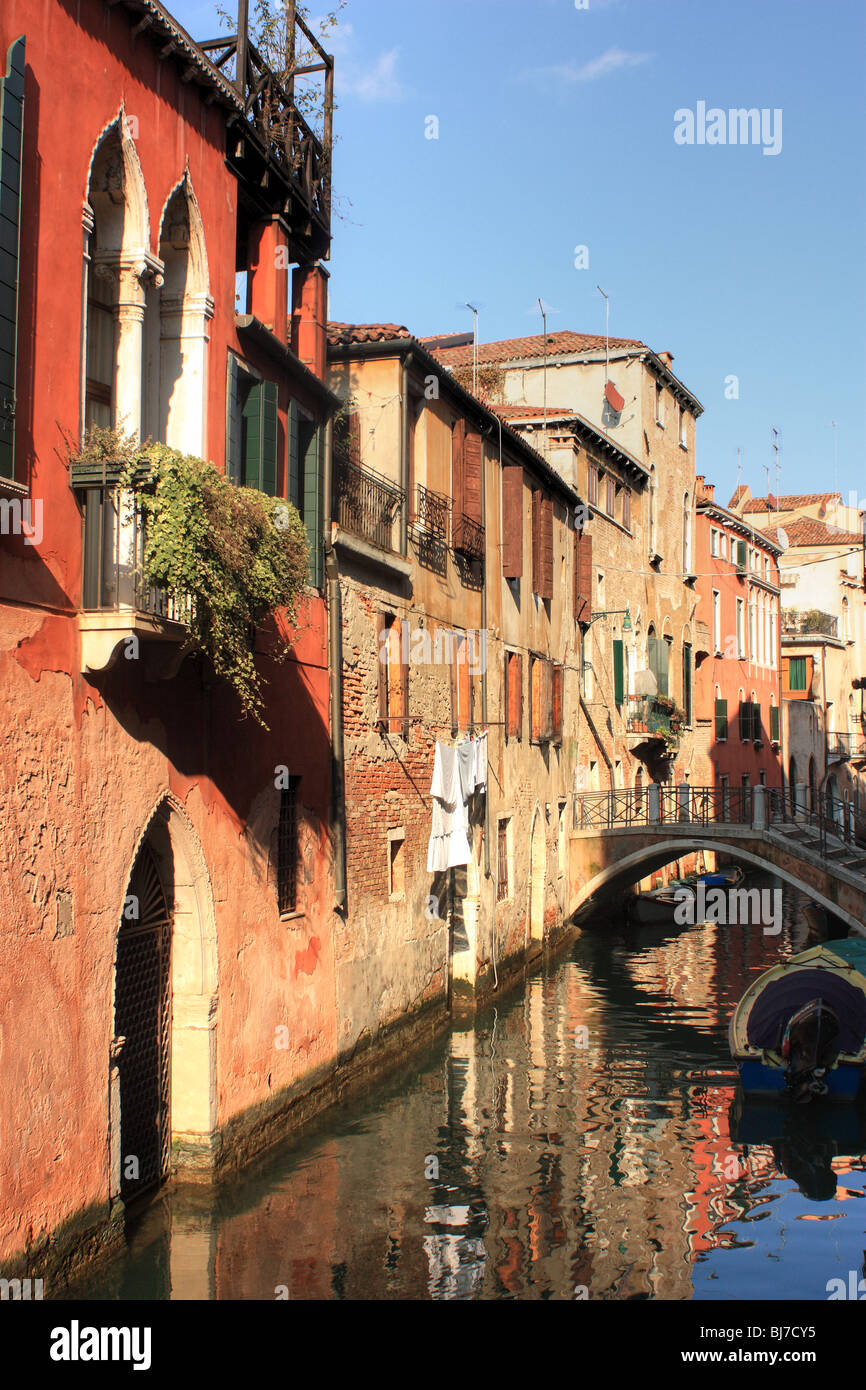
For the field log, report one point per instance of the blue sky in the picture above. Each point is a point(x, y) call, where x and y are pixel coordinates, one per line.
point(556, 130)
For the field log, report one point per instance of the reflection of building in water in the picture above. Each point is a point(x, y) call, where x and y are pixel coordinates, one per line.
point(682, 970)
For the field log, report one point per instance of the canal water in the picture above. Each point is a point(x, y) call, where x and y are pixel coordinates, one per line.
point(583, 1139)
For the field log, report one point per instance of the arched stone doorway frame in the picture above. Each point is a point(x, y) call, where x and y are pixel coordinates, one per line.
point(194, 974)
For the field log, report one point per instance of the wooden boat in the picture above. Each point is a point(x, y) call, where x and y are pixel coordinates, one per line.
point(722, 878)
point(659, 905)
point(800, 1028)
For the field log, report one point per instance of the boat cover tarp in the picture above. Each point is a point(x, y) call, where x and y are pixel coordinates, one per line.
point(789, 992)
point(852, 951)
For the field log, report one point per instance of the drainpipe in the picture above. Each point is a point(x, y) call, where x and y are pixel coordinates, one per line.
point(404, 456)
point(335, 678)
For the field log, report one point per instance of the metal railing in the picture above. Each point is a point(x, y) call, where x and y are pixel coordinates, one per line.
point(826, 814)
point(663, 804)
point(800, 623)
point(468, 536)
point(645, 715)
point(434, 510)
point(846, 745)
point(365, 503)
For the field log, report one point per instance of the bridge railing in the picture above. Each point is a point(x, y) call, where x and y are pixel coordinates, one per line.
point(832, 818)
point(664, 804)
point(661, 804)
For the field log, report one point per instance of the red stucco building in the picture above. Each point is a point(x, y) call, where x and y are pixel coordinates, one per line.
point(737, 692)
point(138, 197)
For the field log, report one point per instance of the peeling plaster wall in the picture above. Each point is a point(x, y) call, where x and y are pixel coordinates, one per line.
point(85, 762)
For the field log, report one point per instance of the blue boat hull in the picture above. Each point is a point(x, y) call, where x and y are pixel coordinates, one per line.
point(843, 1082)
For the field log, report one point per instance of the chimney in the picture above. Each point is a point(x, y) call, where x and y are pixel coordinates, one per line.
point(666, 357)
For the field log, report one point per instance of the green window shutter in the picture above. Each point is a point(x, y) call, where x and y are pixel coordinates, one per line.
point(721, 721)
point(657, 652)
point(618, 671)
point(313, 500)
point(797, 673)
point(745, 720)
point(233, 423)
point(774, 723)
point(11, 128)
point(757, 731)
point(260, 414)
point(293, 460)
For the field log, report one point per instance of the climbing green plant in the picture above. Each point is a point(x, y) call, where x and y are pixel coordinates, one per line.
point(228, 556)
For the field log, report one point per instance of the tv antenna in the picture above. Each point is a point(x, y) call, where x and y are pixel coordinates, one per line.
point(474, 348)
point(544, 376)
point(606, 334)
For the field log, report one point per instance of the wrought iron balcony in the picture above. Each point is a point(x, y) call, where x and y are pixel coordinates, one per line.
point(797, 623)
point(647, 716)
point(844, 746)
point(468, 537)
point(273, 132)
point(365, 503)
point(434, 511)
point(116, 603)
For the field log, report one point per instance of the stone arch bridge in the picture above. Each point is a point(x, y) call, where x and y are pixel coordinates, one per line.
point(621, 836)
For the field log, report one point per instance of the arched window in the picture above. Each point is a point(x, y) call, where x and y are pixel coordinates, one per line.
point(185, 311)
point(846, 633)
point(638, 791)
point(687, 534)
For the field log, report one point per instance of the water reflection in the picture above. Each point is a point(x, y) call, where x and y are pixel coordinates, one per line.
point(587, 1135)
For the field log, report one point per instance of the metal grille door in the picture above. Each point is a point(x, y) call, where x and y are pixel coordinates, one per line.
point(142, 1016)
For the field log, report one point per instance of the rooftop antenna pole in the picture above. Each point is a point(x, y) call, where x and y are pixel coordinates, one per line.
point(544, 321)
point(775, 447)
point(474, 349)
point(739, 473)
point(606, 334)
point(835, 457)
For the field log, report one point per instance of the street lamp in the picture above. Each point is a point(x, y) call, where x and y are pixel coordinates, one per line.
point(612, 613)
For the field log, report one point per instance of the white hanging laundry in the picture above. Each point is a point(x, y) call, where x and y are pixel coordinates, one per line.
point(466, 767)
point(481, 763)
point(449, 839)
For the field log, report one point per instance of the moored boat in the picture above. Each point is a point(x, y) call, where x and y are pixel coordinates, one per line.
point(660, 904)
point(800, 1027)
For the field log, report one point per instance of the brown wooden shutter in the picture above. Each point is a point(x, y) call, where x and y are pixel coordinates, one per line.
point(457, 482)
point(354, 436)
point(472, 463)
point(404, 681)
point(583, 577)
point(382, 657)
point(536, 542)
point(512, 521)
point(546, 548)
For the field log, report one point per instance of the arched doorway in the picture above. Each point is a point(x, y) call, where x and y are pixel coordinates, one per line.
point(162, 1078)
point(537, 871)
point(142, 1028)
point(638, 792)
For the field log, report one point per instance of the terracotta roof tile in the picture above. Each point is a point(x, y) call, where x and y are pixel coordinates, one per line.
point(510, 349)
point(805, 530)
point(788, 504)
point(738, 494)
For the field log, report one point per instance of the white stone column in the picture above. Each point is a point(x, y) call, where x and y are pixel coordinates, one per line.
point(184, 335)
point(653, 802)
point(759, 808)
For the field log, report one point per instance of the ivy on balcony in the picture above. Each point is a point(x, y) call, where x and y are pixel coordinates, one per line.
point(226, 556)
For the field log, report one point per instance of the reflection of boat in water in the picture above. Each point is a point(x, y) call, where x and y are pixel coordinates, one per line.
point(804, 1142)
point(800, 1028)
point(660, 904)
